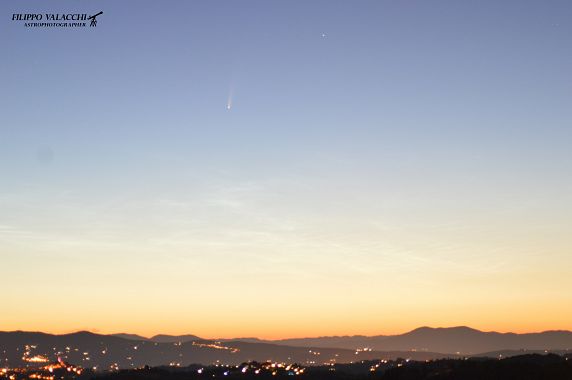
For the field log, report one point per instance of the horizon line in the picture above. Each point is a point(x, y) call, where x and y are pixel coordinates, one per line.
point(95, 332)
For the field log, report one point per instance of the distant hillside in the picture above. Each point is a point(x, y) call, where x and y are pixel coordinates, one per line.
point(462, 340)
point(106, 351)
point(130, 336)
point(349, 342)
point(174, 338)
point(161, 338)
point(128, 351)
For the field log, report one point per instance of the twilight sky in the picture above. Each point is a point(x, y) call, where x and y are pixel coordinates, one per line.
point(383, 165)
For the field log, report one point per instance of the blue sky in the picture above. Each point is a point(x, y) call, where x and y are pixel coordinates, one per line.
point(421, 145)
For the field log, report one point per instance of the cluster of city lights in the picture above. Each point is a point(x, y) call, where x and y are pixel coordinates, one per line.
point(51, 371)
point(216, 346)
point(268, 367)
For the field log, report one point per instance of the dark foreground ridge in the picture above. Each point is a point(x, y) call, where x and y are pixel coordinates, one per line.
point(524, 367)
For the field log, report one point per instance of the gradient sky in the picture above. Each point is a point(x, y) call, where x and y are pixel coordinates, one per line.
point(384, 165)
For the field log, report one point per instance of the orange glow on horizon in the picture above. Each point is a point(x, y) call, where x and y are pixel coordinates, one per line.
point(308, 332)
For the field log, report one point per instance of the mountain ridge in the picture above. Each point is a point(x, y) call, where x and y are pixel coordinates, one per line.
point(440, 342)
point(24, 349)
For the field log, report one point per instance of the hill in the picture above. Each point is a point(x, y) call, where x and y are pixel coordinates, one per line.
point(458, 340)
point(107, 351)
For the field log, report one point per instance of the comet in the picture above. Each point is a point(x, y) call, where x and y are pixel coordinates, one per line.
point(229, 99)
